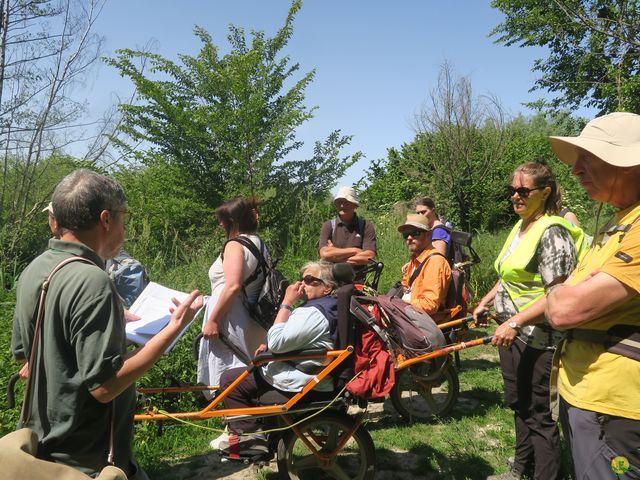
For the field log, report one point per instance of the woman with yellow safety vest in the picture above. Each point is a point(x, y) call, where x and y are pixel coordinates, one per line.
point(541, 250)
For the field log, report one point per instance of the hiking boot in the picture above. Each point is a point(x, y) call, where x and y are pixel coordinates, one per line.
point(511, 474)
point(528, 471)
point(223, 437)
point(244, 445)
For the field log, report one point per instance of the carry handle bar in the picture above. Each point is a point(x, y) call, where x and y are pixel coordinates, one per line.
point(11, 393)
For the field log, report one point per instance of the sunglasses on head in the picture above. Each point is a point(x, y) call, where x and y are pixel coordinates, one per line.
point(413, 233)
point(523, 192)
point(311, 281)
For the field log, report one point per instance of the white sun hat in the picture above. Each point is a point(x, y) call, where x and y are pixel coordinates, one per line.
point(613, 138)
point(348, 194)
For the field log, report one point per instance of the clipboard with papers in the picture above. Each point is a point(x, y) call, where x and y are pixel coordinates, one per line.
point(152, 306)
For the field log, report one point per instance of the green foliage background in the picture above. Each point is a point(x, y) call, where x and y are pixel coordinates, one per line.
point(592, 49)
point(208, 127)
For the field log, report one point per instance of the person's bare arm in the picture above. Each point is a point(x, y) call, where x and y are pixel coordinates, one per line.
point(233, 267)
point(142, 359)
point(570, 216)
point(331, 253)
point(504, 334)
point(361, 258)
point(293, 293)
point(483, 305)
point(440, 246)
point(569, 306)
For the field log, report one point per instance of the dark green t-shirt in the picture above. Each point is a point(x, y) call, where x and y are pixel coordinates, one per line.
point(84, 345)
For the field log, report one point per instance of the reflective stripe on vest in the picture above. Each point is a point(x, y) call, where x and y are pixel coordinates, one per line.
point(525, 287)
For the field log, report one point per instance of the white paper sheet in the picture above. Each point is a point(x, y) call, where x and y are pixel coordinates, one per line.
point(152, 306)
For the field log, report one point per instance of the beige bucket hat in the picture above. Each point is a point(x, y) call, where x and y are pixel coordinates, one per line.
point(613, 138)
point(415, 220)
point(348, 194)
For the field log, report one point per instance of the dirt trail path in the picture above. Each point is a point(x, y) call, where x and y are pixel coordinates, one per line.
point(210, 467)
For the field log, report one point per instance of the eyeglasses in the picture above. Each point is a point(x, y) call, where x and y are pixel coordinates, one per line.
point(126, 215)
point(413, 233)
point(311, 281)
point(523, 192)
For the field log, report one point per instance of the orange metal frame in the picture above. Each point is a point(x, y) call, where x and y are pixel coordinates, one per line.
point(337, 356)
point(210, 411)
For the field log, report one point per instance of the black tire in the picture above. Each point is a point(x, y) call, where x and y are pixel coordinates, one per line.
point(418, 398)
point(356, 460)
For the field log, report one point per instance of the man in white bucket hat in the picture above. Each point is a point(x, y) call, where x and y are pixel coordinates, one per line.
point(348, 238)
point(598, 371)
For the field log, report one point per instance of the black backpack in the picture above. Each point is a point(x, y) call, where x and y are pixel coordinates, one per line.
point(265, 309)
point(460, 254)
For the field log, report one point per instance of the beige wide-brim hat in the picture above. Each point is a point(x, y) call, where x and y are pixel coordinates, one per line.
point(415, 220)
point(348, 194)
point(613, 138)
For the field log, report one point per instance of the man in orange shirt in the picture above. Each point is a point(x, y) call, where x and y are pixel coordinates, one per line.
point(426, 281)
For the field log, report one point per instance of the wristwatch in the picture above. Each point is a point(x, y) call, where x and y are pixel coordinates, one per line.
point(513, 325)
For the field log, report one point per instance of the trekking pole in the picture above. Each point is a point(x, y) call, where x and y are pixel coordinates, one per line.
point(462, 321)
point(455, 323)
point(441, 352)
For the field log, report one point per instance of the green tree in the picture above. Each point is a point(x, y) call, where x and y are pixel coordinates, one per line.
point(390, 181)
point(47, 47)
point(407, 173)
point(229, 122)
point(461, 136)
point(594, 49)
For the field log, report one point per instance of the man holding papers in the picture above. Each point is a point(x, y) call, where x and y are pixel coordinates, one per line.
point(83, 376)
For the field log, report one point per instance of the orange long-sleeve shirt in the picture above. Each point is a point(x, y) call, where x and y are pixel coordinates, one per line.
point(429, 289)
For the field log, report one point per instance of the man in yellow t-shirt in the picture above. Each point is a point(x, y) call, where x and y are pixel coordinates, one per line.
point(599, 375)
point(426, 280)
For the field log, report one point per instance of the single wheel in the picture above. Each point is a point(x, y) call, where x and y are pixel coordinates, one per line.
point(421, 398)
point(344, 457)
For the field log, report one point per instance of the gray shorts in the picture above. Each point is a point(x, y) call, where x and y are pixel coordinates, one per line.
point(601, 445)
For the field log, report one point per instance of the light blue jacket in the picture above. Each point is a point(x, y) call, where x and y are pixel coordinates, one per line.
point(306, 328)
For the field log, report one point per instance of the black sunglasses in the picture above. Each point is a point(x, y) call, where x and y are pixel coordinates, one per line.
point(311, 280)
point(413, 233)
point(523, 192)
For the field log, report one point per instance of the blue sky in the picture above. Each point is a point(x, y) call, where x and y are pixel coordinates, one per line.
point(376, 61)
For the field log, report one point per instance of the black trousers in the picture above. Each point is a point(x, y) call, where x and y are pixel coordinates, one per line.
point(526, 373)
point(244, 395)
point(248, 391)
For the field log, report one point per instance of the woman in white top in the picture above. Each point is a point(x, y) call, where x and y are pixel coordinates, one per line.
point(226, 314)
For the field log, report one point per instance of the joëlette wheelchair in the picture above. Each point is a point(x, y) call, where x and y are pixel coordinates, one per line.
point(426, 385)
point(310, 438)
point(318, 439)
